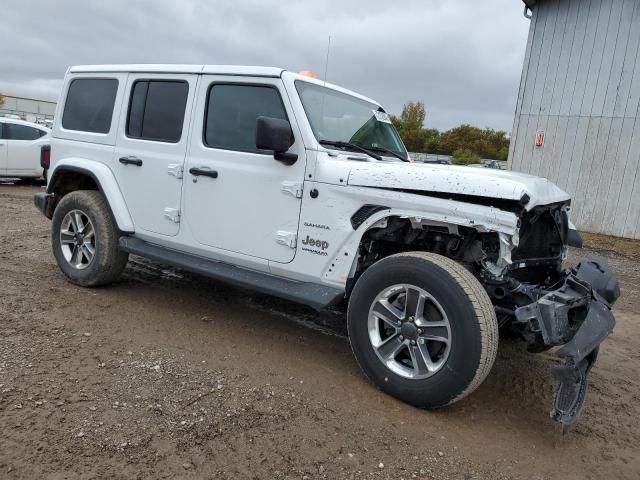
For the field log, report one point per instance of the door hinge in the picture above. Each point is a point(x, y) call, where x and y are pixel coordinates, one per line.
point(293, 188)
point(172, 214)
point(175, 170)
point(288, 239)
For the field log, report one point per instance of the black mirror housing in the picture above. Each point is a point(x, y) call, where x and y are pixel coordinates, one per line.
point(276, 135)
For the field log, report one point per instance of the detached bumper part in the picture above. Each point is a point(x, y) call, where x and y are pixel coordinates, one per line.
point(577, 318)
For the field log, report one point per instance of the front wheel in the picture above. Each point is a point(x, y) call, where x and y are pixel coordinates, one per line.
point(422, 328)
point(84, 237)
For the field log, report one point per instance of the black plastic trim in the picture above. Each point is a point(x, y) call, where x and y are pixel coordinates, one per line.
point(574, 239)
point(84, 171)
point(363, 213)
point(311, 294)
point(41, 201)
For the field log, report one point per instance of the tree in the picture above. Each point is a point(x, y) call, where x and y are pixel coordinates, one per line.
point(413, 115)
point(431, 141)
point(1, 99)
point(481, 143)
point(410, 126)
point(487, 143)
point(465, 157)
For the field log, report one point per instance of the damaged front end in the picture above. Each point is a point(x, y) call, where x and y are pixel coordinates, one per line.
point(565, 310)
point(576, 317)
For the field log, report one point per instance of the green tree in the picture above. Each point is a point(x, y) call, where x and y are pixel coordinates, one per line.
point(413, 115)
point(487, 143)
point(484, 143)
point(464, 156)
point(410, 126)
point(431, 140)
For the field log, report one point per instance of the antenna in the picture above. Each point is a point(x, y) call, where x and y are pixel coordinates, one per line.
point(326, 62)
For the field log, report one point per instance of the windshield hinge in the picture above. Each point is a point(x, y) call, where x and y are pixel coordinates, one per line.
point(172, 214)
point(175, 170)
point(293, 188)
point(288, 239)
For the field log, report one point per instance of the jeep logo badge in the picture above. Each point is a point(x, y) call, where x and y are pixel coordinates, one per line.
point(315, 243)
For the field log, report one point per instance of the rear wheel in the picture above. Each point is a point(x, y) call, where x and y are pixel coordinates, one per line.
point(84, 237)
point(422, 328)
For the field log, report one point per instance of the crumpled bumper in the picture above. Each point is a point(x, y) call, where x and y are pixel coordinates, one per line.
point(576, 318)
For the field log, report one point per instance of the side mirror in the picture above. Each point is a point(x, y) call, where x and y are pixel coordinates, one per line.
point(276, 135)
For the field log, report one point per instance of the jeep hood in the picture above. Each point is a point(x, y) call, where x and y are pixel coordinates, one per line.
point(482, 182)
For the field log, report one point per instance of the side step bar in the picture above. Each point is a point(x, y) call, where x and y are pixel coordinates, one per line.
point(311, 294)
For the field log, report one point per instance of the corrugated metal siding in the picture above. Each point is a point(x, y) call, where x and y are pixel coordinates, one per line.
point(581, 85)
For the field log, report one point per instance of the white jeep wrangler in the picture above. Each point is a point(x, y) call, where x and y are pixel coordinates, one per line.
point(275, 181)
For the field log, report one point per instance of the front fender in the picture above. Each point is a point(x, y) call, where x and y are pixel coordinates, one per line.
point(420, 208)
point(104, 179)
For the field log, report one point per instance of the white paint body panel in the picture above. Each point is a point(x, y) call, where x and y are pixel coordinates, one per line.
point(150, 189)
point(243, 217)
point(108, 184)
point(242, 210)
point(482, 182)
point(21, 158)
point(3, 156)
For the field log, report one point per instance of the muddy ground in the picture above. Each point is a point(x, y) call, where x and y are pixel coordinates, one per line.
point(168, 375)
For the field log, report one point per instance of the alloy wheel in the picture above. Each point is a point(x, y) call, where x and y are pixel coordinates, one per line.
point(409, 331)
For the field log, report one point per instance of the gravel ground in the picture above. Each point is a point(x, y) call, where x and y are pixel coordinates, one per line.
point(168, 375)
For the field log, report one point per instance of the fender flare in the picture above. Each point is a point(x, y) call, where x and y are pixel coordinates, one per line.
point(106, 182)
point(346, 258)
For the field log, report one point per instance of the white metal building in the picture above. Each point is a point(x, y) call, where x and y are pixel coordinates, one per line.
point(29, 109)
point(577, 111)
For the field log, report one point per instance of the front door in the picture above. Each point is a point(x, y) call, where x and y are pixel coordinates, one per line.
point(251, 205)
point(151, 146)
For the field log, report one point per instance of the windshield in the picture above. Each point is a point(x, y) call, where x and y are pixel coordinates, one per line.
point(338, 117)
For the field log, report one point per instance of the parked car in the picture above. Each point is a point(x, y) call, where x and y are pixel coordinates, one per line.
point(278, 182)
point(21, 148)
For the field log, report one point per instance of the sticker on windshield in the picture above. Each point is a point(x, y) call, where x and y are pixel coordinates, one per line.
point(382, 116)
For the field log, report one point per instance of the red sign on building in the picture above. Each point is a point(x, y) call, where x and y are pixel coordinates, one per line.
point(539, 138)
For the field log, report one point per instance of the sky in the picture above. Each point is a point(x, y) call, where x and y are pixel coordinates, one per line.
point(462, 58)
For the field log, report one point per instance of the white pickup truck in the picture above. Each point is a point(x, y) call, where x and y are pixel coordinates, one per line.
point(284, 184)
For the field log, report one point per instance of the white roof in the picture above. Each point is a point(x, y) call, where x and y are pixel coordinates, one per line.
point(171, 68)
point(240, 70)
point(22, 122)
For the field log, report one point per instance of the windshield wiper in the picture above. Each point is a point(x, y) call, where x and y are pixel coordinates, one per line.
point(390, 152)
point(352, 146)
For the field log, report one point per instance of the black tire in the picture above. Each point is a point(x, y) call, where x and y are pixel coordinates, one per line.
point(471, 316)
point(108, 260)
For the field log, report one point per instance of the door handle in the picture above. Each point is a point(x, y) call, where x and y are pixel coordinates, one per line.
point(196, 171)
point(131, 161)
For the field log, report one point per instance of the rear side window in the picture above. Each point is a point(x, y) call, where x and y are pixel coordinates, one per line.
point(89, 104)
point(13, 131)
point(232, 110)
point(156, 110)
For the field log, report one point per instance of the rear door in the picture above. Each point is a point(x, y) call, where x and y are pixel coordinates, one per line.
point(23, 149)
point(151, 146)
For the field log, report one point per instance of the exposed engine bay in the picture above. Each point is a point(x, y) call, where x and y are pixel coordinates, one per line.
point(534, 297)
